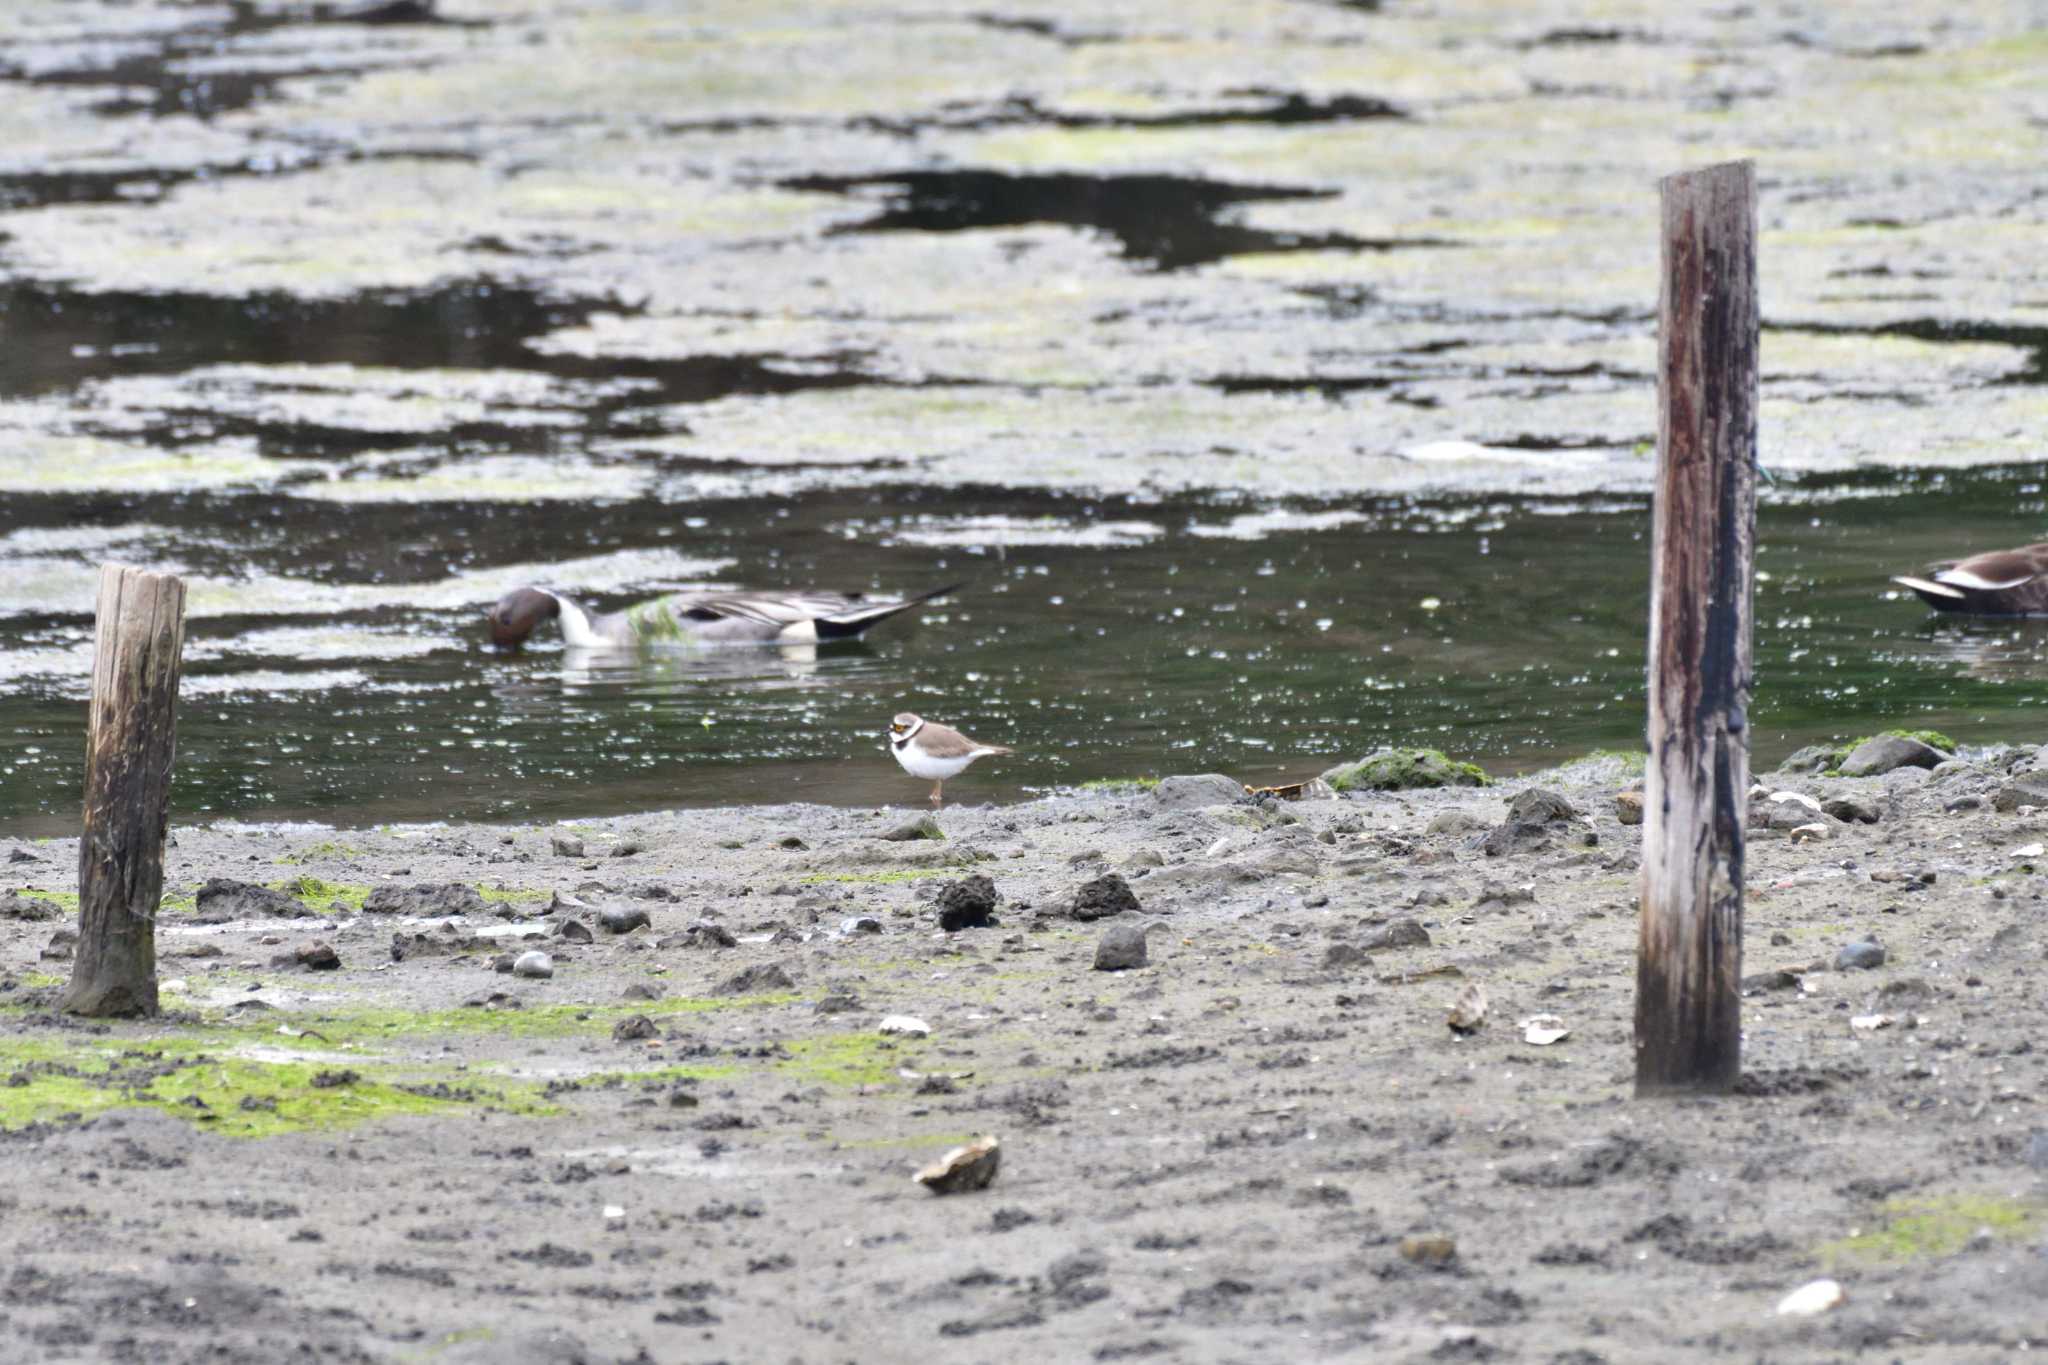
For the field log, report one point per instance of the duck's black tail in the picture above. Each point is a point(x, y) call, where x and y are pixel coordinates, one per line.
point(845, 625)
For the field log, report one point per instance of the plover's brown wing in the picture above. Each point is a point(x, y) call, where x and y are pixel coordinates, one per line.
point(943, 741)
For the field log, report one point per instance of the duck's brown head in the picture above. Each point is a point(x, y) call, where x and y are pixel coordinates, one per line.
point(517, 613)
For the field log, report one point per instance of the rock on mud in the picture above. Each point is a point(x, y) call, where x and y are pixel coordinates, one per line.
point(923, 827)
point(966, 1168)
point(14, 905)
point(1883, 753)
point(566, 846)
point(1193, 792)
point(1121, 949)
point(1107, 895)
point(1404, 770)
point(969, 903)
point(1863, 956)
point(533, 963)
point(760, 979)
point(622, 919)
point(222, 899)
point(1401, 933)
point(448, 898)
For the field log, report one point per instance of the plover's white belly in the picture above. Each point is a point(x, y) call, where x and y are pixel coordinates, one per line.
point(918, 763)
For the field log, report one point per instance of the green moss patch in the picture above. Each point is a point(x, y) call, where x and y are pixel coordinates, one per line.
point(54, 1082)
point(1121, 784)
point(372, 1027)
point(328, 849)
point(318, 893)
point(1928, 1228)
point(1405, 770)
point(848, 1059)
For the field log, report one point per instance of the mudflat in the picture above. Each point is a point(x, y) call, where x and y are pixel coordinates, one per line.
point(694, 1139)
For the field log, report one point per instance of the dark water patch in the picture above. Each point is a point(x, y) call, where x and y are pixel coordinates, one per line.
point(1329, 386)
point(1168, 220)
point(1265, 106)
point(183, 74)
point(59, 338)
point(149, 184)
point(2032, 339)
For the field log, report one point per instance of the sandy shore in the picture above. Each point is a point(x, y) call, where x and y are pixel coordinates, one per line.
point(1263, 1145)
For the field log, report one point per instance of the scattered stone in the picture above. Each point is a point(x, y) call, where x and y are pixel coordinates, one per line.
point(860, 924)
point(1628, 807)
point(1456, 820)
point(1121, 949)
point(1107, 895)
point(1849, 810)
point(1780, 980)
point(1340, 956)
point(573, 931)
point(1808, 834)
point(620, 919)
point(905, 1024)
point(14, 905)
point(1515, 837)
point(2025, 789)
point(1968, 805)
point(703, 933)
point(533, 962)
point(763, 978)
point(626, 848)
point(633, 1029)
point(966, 1168)
point(969, 903)
point(334, 1080)
point(1882, 753)
point(318, 957)
point(1468, 1011)
point(21, 855)
point(566, 846)
point(792, 843)
point(1814, 758)
point(1193, 792)
point(1540, 806)
point(1400, 933)
point(222, 899)
point(640, 990)
point(1816, 1296)
point(838, 1002)
point(1541, 1030)
point(1404, 770)
point(1499, 896)
point(923, 827)
point(1862, 956)
point(61, 945)
point(1430, 1249)
point(425, 900)
point(444, 940)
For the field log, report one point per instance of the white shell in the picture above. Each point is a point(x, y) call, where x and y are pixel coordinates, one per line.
point(904, 1023)
point(1800, 797)
point(1808, 834)
point(1871, 1022)
point(1541, 1030)
point(1817, 1296)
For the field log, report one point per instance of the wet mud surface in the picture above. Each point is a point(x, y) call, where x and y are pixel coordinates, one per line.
point(693, 1140)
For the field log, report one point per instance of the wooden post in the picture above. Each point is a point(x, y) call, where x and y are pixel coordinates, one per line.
point(1702, 578)
point(131, 738)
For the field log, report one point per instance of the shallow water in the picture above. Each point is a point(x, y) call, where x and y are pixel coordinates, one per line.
point(1506, 631)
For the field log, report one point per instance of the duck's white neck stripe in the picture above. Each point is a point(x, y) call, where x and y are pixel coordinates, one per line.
point(576, 631)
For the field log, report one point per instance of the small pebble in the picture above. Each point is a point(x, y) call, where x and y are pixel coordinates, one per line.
point(533, 962)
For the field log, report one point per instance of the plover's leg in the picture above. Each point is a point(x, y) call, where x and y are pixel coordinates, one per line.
point(935, 792)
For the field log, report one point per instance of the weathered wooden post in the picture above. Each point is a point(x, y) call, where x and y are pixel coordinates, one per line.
point(1702, 577)
point(131, 739)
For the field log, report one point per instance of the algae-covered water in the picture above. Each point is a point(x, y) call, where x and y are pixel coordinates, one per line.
point(1278, 377)
point(1115, 641)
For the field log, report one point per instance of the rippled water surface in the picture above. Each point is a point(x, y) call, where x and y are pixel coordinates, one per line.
point(1142, 640)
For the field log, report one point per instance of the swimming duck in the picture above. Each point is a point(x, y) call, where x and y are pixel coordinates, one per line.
point(740, 617)
point(1997, 583)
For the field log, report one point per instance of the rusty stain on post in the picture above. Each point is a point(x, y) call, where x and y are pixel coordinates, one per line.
point(131, 743)
point(1689, 955)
